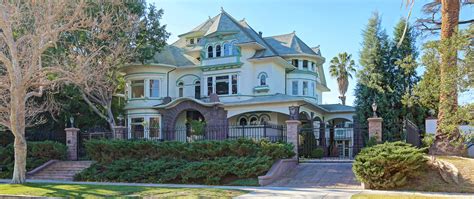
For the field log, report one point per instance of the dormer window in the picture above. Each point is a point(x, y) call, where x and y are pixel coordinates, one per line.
point(218, 50)
point(227, 50)
point(210, 52)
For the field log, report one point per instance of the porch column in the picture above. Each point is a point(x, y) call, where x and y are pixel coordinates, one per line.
point(375, 128)
point(292, 134)
point(120, 132)
point(71, 143)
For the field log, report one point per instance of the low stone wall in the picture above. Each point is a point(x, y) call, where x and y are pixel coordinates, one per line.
point(279, 168)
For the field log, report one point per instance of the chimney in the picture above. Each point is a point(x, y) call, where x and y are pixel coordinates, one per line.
point(260, 33)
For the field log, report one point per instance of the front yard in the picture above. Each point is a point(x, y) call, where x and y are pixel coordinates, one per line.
point(432, 181)
point(99, 191)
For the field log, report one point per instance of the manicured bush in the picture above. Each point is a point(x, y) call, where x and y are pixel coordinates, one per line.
point(106, 151)
point(317, 153)
point(388, 165)
point(38, 153)
point(428, 140)
point(208, 162)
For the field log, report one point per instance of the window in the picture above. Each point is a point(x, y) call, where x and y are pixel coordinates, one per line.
point(312, 66)
point(180, 89)
point(209, 86)
point(222, 85)
point(263, 79)
point(253, 120)
point(305, 64)
point(191, 41)
point(234, 84)
point(294, 62)
point(305, 88)
point(218, 50)
point(312, 93)
point(154, 88)
point(136, 127)
point(294, 87)
point(243, 121)
point(154, 127)
point(198, 40)
point(227, 50)
point(210, 52)
point(138, 89)
point(264, 119)
point(197, 90)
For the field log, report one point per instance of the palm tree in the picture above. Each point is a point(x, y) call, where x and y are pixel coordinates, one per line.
point(341, 68)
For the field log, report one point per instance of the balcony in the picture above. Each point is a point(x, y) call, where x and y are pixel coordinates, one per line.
point(220, 60)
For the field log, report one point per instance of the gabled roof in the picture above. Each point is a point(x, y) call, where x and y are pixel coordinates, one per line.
point(289, 44)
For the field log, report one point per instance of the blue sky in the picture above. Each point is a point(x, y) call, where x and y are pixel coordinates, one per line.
point(335, 25)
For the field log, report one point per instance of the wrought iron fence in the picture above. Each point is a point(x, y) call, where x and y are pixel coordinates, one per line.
point(272, 132)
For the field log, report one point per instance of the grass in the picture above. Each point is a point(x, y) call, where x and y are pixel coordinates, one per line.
point(100, 191)
point(244, 182)
point(386, 196)
point(431, 181)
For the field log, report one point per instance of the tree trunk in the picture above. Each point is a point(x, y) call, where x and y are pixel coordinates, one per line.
point(448, 140)
point(17, 118)
point(111, 121)
point(343, 99)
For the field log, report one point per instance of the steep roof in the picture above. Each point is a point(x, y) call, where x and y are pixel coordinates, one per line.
point(289, 44)
point(172, 55)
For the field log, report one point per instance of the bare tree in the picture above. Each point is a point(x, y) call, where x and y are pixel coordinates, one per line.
point(27, 30)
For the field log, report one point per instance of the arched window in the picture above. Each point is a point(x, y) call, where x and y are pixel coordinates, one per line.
point(264, 119)
point(197, 90)
point(210, 52)
point(218, 50)
point(243, 121)
point(253, 120)
point(227, 49)
point(263, 78)
point(180, 89)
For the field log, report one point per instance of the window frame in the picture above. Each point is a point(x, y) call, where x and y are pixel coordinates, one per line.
point(218, 50)
point(294, 87)
point(210, 51)
point(133, 85)
point(232, 84)
point(151, 88)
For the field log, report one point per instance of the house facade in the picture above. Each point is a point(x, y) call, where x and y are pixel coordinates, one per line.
point(225, 73)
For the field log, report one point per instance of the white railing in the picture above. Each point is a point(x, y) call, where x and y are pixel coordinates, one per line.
point(219, 60)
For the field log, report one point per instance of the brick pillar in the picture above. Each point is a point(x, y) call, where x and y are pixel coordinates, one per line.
point(375, 128)
point(292, 134)
point(121, 132)
point(71, 143)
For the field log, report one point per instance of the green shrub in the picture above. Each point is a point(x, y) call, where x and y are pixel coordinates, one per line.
point(208, 162)
point(106, 151)
point(177, 170)
point(317, 153)
point(38, 153)
point(388, 165)
point(428, 140)
point(372, 141)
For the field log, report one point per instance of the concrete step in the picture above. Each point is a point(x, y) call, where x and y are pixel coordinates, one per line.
point(60, 170)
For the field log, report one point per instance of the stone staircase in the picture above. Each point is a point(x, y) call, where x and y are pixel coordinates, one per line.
point(58, 170)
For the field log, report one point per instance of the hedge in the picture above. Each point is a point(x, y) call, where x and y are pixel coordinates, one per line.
point(38, 153)
point(388, 165)
point(106, 151)
point(208, 162)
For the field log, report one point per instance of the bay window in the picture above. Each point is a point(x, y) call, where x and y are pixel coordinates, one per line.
point(138, 89)
point(154, 127)
point(154, 88)
point(137, 127)
point(305, 88)
point(294, 87)
point(222, 84)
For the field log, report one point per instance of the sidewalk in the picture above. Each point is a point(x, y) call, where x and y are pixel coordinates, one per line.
point(273, 192)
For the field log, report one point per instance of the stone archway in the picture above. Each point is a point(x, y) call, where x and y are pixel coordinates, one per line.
point(214, 115)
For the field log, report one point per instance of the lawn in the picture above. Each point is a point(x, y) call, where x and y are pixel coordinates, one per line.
point(99, 191)
point(431, 180)
point(385, 196)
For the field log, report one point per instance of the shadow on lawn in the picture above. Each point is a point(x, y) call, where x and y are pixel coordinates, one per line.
point(77, 190)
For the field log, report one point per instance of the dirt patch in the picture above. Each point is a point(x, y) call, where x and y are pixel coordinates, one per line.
point(431, 180)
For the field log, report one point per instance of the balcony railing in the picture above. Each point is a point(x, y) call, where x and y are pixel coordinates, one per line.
point(220, 60)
